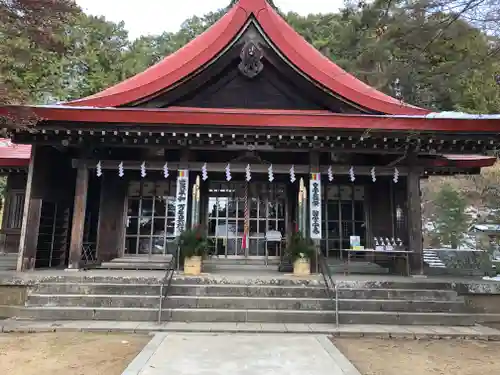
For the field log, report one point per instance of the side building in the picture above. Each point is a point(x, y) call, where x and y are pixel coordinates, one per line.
point(14, 162)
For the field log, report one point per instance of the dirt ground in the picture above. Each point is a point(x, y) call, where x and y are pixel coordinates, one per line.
point(68, 353)
point(421, 357)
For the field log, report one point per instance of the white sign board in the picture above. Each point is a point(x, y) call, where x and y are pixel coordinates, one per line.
point(273, 236)
point(181, 201)
point(315, 206)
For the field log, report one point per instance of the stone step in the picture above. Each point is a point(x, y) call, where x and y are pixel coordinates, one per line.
point(228, 290)
point(8, 262)
point(406, 318)
point(90, 313)
point(407, 284)
point(247, 291)
point(116, 265)
point(94, 300)
point(256, 316)
point(154, 289)
point(400, 294)
point(309, 292)
point(96, 288)
point(248, 303)
point(115, 277)
point(143, 259)
point(214, 260)
point(358, 268)
point(412, 284)
point(246, 279)
point(244, 303)
point(155, 277)
point(260, 268)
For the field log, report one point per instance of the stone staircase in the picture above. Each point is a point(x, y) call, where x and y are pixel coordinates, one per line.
point(8, 261)
point(282, 300)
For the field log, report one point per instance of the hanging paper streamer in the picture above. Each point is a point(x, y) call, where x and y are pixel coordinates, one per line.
point(228, 173)
point(351, 174)
point(143, 169)
point(120, 169)
point(330, 174)
point(396, 176)
point(372, 172)
point(204, 172)
point(98, 169)
point(292, 174)
point(270, 173)
point(165, 170)
point(248, 173)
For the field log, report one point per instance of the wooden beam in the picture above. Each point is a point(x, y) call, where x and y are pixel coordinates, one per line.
point(338, 141)
point(78, 223)
point(237, 167)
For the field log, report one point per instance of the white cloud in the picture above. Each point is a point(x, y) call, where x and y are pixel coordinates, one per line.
point(156, 16)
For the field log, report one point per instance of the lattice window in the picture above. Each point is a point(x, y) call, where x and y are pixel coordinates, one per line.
point(14, 209)
point(150, 217)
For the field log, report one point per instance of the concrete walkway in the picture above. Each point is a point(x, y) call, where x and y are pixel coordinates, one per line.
point(240, 354)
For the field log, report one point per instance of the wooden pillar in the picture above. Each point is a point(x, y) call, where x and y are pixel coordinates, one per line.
point(415, 243)
point(31, 219)
point(78, 222)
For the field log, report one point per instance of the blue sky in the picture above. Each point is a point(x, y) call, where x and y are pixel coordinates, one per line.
point(155, 16)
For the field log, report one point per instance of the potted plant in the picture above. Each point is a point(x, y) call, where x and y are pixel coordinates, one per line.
point(193, 244)
point(300, 251)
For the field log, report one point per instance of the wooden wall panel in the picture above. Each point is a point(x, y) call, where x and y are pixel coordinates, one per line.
point(10, 241)
point(51, 179)
point(380, 207)
point(111, 217)
point(401, 205)
point(17, 181)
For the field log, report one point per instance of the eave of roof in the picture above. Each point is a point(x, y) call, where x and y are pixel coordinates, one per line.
point(268, 118)
point(464, 161)
point(14, 155)
point(211, 43)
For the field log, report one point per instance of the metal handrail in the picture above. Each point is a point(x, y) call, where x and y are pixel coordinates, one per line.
point(329, 283)
point(165, 284)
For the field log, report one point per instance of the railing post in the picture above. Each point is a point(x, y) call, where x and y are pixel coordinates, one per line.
point(336, 305)
point(160, 309)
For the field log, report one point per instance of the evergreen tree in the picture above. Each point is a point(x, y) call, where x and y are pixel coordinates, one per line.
point(450, 219)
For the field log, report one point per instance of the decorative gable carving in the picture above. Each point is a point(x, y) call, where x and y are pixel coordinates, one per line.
point(251, 59)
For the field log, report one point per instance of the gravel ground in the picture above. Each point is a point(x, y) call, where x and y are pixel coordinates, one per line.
point(421, 357)
point(68, 353)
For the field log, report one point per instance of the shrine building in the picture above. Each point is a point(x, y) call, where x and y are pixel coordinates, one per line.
point(248, 130)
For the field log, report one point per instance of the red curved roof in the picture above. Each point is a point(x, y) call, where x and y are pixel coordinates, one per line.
point(14, 155)
point(208, 45)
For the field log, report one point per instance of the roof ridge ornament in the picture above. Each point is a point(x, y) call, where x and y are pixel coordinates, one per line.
point(251, 59)
point(252, 5)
